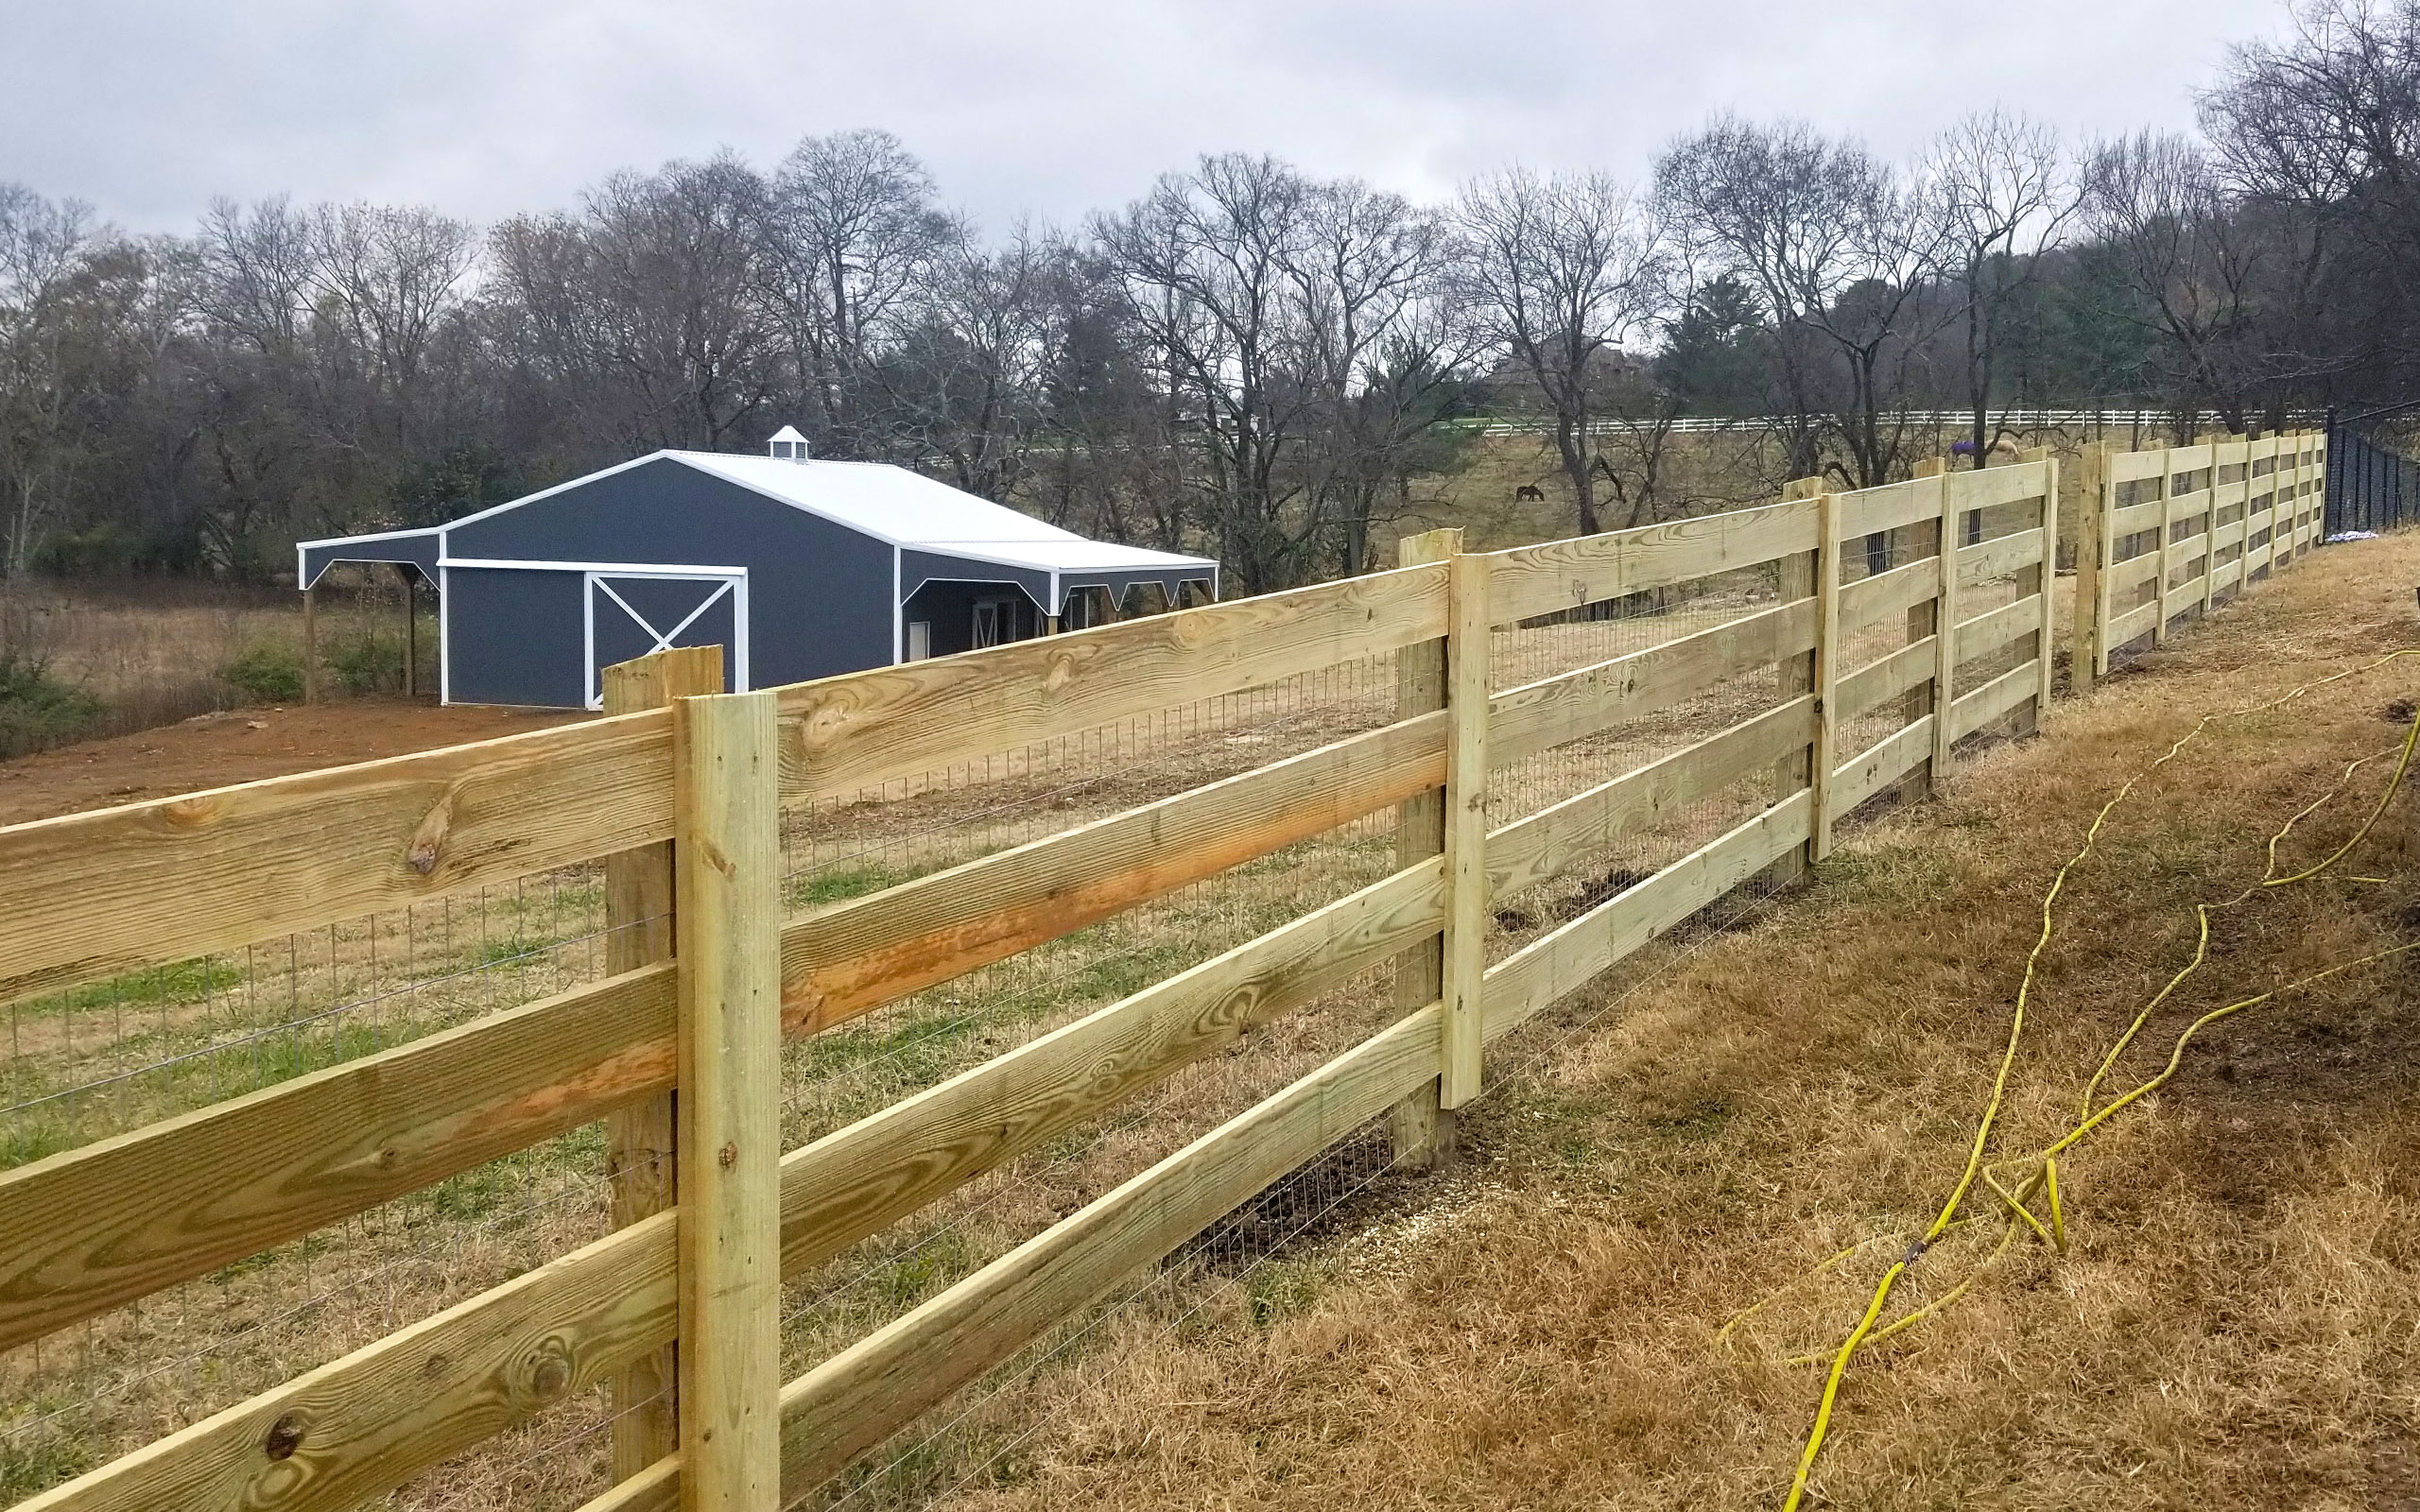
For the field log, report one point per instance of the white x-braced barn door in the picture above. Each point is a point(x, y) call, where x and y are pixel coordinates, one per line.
point(639, 612)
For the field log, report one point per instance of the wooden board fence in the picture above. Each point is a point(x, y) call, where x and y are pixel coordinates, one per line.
point(1950, 642)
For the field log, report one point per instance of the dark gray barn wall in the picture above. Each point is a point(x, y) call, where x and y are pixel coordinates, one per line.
point(515, 636)
point(917, 567)
point(818, 593)
point(949, 606)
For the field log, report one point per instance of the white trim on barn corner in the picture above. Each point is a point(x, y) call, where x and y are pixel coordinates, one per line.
point(734, 580)
point(898, 613)
point(444, 640)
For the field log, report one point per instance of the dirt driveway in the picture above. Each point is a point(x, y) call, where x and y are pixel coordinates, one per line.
point(243, 745)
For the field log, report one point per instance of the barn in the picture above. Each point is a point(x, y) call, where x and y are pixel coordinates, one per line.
point(798, 568)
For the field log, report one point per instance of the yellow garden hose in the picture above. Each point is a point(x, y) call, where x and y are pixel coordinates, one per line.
point(2045, 1177)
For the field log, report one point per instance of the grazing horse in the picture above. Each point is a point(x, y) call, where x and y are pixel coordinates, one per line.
point(1530, 491)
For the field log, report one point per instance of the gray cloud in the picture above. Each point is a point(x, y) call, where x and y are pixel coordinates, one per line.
point(1052, 108)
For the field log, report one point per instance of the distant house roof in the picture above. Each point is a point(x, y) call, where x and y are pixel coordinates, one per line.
point(890, 504)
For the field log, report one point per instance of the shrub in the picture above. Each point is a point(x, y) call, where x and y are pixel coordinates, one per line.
point(368, 661)
point(38, 709)
point(265, 672)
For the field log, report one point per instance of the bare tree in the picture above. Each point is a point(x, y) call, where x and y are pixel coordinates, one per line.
point(1836, 250)
point(1560, 270)
point(2162, 222)
point(1996, 186)
point(646, 314)
point(854, 238)
point(45, 246)
point(1209, 261)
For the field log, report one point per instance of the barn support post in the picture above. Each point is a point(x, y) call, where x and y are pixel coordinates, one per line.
point(1467, 685)
point(1424, 1131)
point(727, 923)
point(640, 1142)
point(311, 643)
point(411, 629)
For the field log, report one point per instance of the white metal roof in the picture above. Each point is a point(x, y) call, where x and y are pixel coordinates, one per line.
point(895, 506)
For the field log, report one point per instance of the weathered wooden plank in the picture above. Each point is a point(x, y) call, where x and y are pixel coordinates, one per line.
point(2231, 534)
point(1986, 633)
point(89, 1228)
point(726, 765)
point(1888, 508)
point(93, 895)
point(1973, 711)
point(1891, 759)
point(846, 733)
point(1886, 678)
point(1573, 705)
point(1998, 556)
point(1541, 846)
point(2127, 576)
point(2133, 519)
point(857, 1398)
point(2129, 467)
point(859, 954)
point(361, 1425)
point(857, 1180)
point(1557, 963)
point(2133, 622)
point(1991, 488)
point(1562, 574)
point(1869, 601)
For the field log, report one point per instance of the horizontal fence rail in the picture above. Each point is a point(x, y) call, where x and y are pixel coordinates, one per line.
point(1708, 699)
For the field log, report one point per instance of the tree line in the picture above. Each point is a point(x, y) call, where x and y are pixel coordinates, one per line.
point(1248, 359)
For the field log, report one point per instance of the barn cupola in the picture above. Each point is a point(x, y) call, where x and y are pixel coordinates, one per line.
point(788, 445)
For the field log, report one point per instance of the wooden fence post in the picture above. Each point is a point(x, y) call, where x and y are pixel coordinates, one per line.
point(2166, 527)
point(2046, 576)
point(1826, 754)
point(2092, 531)
point(1423, 1130)
point(1945, 631)
point(2105, 544)
point(1794, 772)
point(727, 916)
point(639, 1140)
point(1931, 618)
point(1468, 652)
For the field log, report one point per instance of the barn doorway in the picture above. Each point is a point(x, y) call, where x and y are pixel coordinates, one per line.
point(638, 613)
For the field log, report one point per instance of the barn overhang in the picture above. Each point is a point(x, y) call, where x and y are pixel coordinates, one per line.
point(418, 550)
point(1050, 573)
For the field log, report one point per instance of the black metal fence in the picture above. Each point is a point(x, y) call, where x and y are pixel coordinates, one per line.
point(2371, 485)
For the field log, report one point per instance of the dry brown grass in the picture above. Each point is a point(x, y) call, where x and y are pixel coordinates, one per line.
point(152, 650)
point(2233, 1327)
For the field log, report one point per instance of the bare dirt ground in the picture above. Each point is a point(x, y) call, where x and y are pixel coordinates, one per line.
point(242, 745)
point(2232, 1325)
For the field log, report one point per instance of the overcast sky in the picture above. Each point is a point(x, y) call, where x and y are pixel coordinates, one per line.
point(1049, 108)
